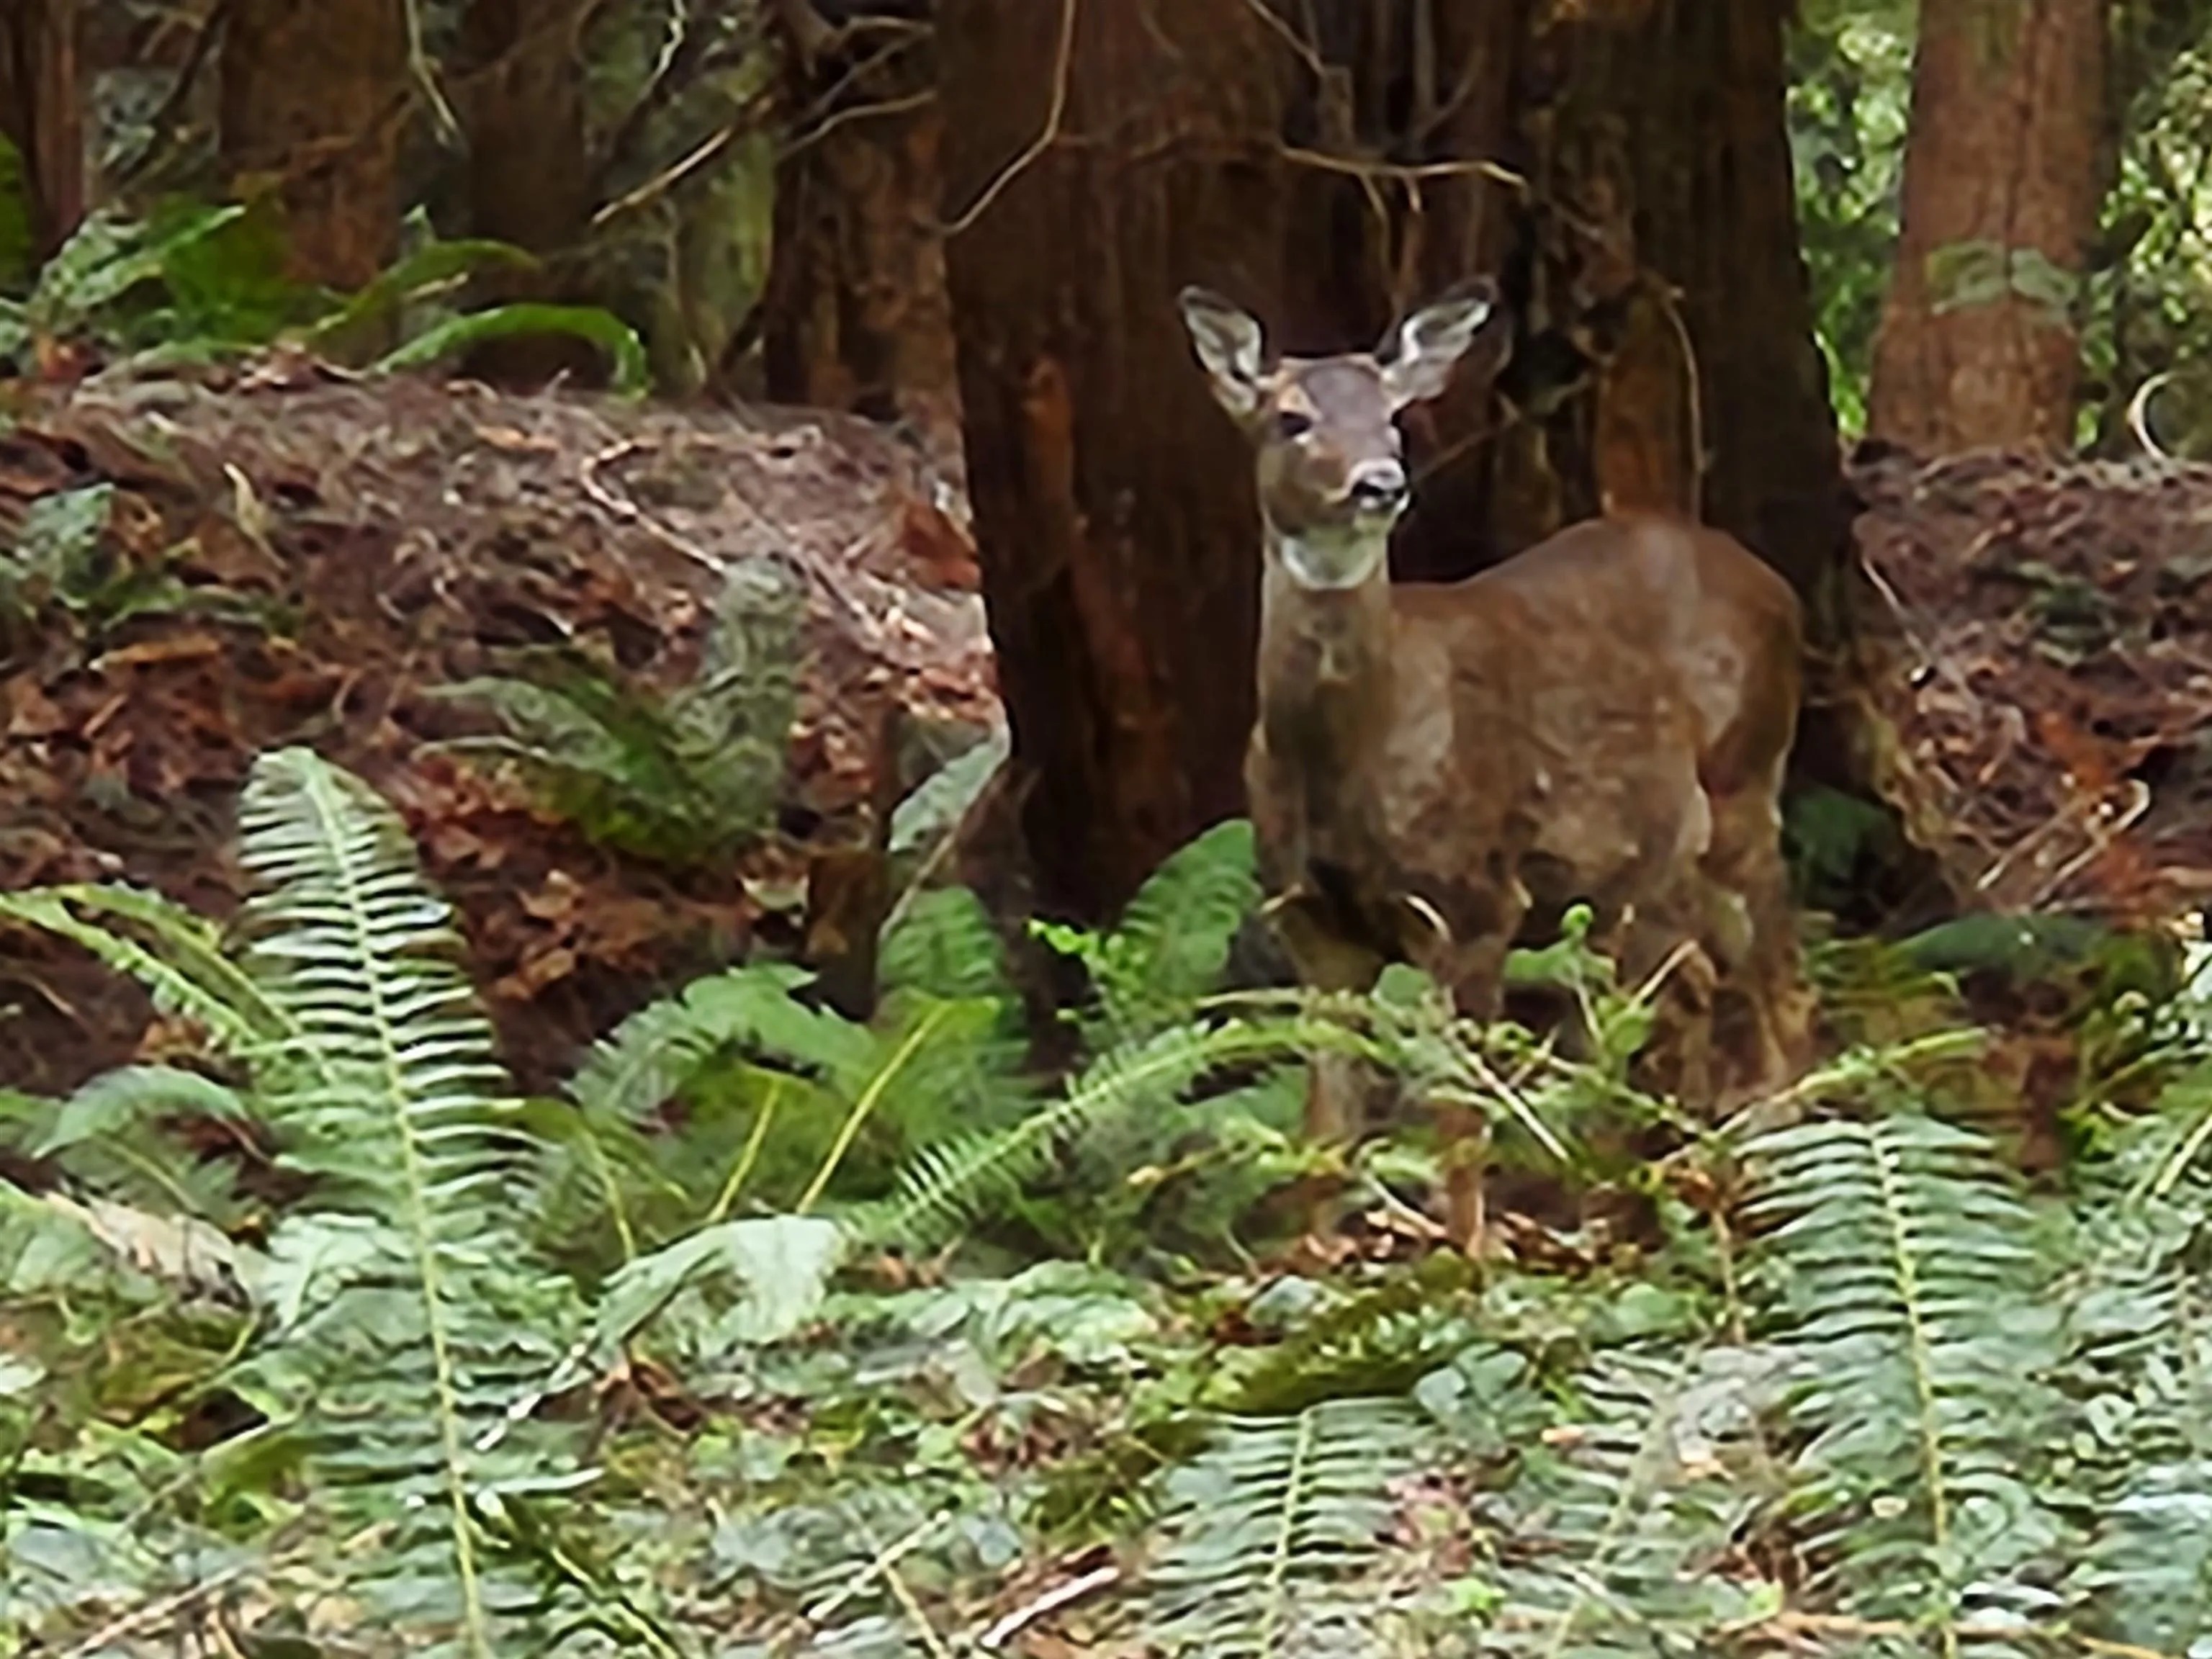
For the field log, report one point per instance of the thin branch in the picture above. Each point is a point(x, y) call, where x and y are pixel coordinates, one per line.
point(425, 74)
point(161, 127)
point(1046, 135)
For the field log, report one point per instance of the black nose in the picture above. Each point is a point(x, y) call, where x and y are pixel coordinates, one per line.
point(1374, 494)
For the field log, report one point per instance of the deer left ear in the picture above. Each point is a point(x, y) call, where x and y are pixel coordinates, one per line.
point(1231, 347)
point(1426, 347)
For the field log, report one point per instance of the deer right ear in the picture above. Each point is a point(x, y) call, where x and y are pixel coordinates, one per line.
point(1429, 343)
point(1231, 347)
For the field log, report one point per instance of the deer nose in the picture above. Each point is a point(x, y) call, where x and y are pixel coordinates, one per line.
point(1378, 486)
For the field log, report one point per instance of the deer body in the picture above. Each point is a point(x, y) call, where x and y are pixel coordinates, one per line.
point(1603, 718)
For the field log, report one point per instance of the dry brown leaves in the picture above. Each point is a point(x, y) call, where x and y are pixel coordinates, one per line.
point(2040, 652)
point(393, 534)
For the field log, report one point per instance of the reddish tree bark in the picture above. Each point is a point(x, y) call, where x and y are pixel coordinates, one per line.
point(311, 103)
point(1113, 503)
point(2003, 176)
point(856, 314)
point(529, 176)
point(42, 114)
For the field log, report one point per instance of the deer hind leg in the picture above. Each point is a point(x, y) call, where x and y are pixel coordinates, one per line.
point(1754, 938)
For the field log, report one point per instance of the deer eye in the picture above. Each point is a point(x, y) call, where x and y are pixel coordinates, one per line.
point(1289, 424)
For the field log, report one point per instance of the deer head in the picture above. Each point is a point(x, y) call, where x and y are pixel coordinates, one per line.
point(1332, 470)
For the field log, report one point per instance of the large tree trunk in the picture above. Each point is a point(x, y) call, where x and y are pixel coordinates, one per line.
point(42, 114)
point(856, 316)
point(530, 180)
point(1664, 354)
point(312, 102)
point(2002, 179)
point(1114, 506)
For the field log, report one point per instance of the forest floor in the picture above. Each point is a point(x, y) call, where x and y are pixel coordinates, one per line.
point(334, 551)
point(337, 549)
point(274, 554)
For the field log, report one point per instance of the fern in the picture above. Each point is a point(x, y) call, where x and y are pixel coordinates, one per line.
point(1920, 1321)
point(1174, 937)
point(951, 1182)
point(1625, 1520)
point(683, 780)
point(943, 942)
point(399, 1111)
point(1270, 1543)
point(176, 954)
point(404, 1316)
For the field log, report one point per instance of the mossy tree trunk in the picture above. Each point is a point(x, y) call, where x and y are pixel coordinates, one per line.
point(2004, 172)
point(856, 316)
point(313, 101)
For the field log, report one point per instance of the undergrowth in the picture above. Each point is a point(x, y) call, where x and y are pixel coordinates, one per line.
point(780, 1334)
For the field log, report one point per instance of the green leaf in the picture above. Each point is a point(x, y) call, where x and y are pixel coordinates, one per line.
point(632, 371)
point(779, 1266)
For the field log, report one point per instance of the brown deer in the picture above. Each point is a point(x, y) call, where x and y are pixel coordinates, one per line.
point(1603, 718)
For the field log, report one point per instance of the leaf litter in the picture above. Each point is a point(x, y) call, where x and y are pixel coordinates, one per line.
point(344, 547)
point(2038, 651)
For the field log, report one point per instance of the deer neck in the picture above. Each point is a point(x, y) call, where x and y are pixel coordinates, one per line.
point(1325, 663)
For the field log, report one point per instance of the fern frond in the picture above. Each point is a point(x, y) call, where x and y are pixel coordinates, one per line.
point(1919, 1314)
point(1270, 1542)
point(681, 779)
point(176, 955)
point(943, 942)
point(653, 1055)
point(2139, 1314)
point(1175, 934)
point(410, 1318)
point(1626, 1519)
point(950, 1183)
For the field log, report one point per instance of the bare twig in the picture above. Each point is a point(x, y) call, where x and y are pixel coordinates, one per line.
point(163, 122)
point(425, 74)
point(1050, 1602)
point(1055, 113)
point(1365, 168)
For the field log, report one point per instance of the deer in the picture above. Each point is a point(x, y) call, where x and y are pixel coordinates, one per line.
point(1603, 718)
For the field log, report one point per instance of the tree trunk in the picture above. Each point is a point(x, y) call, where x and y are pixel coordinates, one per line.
point(856, 315)
point(312, 98)
point(1114, 503)
point(2002, 180)
point(42, 115)
point(529, 181)
point(1659, 330)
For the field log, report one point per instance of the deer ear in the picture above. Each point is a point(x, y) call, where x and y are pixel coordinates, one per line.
point(1425, 348)
point(1231, 347)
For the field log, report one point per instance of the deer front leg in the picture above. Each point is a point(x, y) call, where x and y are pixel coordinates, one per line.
point(1336, 1083)
point(1472, 970)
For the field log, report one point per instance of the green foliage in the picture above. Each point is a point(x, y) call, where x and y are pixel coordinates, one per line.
point(630, 374)
point(685, 779)
point(1850, 90)
point(1922, 1332)
point(1898, 1403)
point(1266, 1542)
point(367, 1055)
point(191, 283)
point(1174, 937)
